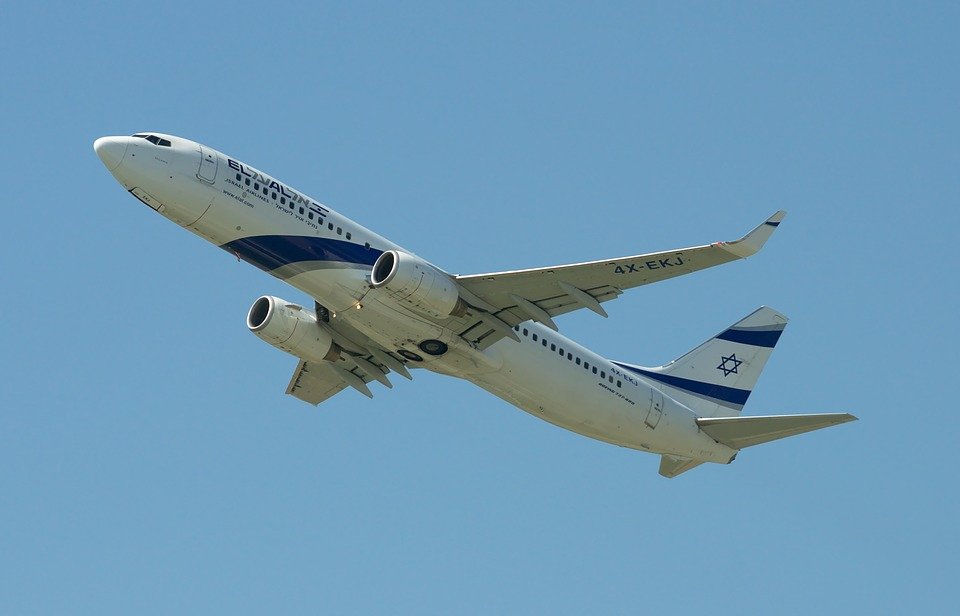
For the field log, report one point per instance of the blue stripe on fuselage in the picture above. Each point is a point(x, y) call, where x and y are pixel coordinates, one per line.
point(268, 252)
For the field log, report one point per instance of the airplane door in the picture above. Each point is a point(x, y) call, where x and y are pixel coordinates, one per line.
point(656, 407)
point(208, 165)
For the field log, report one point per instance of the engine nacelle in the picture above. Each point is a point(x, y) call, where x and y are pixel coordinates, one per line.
point(291, 328)
point(414, 283)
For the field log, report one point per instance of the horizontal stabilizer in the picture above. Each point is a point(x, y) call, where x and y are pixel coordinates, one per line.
point(671, 466)
point(740, 432)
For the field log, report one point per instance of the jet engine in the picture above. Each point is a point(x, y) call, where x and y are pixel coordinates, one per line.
point(414, 283)
point(291, 328)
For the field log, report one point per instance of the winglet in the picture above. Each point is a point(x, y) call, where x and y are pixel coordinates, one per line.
point(754, 241)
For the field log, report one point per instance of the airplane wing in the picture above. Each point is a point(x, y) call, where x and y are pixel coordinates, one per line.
point(314, 382)
point(362, 361)
point(541, 293)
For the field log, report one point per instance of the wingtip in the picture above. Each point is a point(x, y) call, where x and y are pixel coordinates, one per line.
point(777, 217)
point(752, 242)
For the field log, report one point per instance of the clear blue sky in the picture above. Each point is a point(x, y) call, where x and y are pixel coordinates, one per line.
point(150, 463)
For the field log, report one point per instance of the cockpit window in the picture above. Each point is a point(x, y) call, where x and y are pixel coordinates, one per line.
point(154, 139)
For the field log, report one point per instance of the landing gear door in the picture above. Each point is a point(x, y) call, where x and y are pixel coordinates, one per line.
point(208, 165)
point(656, 407)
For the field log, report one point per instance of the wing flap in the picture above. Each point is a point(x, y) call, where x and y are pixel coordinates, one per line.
point(740, 432)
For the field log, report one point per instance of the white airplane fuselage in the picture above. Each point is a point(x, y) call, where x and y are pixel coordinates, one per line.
point(259, 219)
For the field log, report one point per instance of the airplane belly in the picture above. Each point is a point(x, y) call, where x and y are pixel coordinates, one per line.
point(572, 400)
point(579, 402)
point(403, 331)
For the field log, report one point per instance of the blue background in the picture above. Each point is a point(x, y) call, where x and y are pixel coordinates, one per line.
point(150, 463)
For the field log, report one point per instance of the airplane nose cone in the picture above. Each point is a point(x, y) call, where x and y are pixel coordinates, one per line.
point(110, 150)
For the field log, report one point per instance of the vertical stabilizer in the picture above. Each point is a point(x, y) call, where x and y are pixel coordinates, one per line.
point(716, 378)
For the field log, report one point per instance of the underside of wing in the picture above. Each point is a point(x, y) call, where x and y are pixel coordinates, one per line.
point(314, 382)
point(542, 293)
point(361, 361)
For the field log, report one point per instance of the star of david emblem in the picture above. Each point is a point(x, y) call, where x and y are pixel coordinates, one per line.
point(730, 364)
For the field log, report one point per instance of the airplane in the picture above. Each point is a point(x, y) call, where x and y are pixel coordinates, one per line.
point(380, 309)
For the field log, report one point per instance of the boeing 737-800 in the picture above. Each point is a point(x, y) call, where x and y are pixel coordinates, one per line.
point(379, 308)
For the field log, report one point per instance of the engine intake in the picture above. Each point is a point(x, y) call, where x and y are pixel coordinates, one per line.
point(291, 328)
point(414, 283)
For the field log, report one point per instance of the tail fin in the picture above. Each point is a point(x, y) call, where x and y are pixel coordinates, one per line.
point(716, 378)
